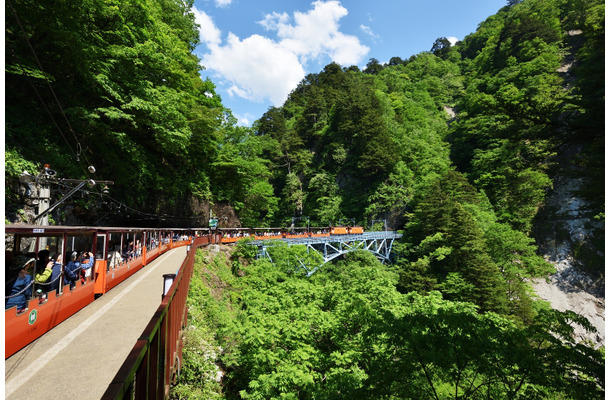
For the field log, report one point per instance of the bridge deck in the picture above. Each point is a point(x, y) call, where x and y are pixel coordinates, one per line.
point(332, 238)
point(79, 358)
point(333, 246)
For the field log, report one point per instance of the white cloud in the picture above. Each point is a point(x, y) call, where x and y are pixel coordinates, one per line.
point(223, 3)
point(256, 67)
point(453, 40)
point(316, 33)
point(245, 119)
point(259, 68)
point(369, 31)
point(274, 20)
point(208, 32)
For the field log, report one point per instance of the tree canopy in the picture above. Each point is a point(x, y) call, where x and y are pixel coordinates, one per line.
point(458, 146)
point(346, 332)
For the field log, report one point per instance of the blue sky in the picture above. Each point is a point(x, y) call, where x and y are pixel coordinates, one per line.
point(257, 51)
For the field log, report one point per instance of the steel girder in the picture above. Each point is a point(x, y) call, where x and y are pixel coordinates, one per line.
point(331, 247)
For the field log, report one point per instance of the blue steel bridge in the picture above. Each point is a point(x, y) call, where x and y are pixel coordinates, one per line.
point(331, 247)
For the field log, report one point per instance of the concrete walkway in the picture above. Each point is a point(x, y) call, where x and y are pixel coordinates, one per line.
point(79, 358)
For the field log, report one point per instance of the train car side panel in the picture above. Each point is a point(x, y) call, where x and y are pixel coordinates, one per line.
point(151, 255)
point(42, 315)
point(119, 274)
point(100, 278)
point(37, 319)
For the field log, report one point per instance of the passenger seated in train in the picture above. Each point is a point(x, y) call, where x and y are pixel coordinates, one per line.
point(43, 268)
point(42, 259)
point(71, 271)
point(40, 273)
point(127, 251)
point(114, 257)
point(20, 291)
point(86, 264)
point(138, 248)
point(53, 281)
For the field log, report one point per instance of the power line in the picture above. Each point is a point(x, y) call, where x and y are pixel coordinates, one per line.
point(78, 145)
point(118, 205)
point(78, 151)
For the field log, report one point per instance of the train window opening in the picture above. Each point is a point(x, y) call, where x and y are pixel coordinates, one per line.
point(128, 246)
point(52, 249)
point(100, 248)
point(25, 244)
point(31, 247)
point(79, 244)
point(150, 241)
point(50, 243)
point(115, 245)
point(137, 249)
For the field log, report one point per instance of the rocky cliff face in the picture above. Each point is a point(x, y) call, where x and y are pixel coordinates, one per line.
point(571, 238)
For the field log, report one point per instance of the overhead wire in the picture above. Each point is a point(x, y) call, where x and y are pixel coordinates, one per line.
point(78, 145)
point(117, 204)
point(120, 205)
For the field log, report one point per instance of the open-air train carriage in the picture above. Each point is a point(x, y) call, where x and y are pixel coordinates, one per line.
point(117, 254)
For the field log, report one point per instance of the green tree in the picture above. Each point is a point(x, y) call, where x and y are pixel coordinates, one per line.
point(345, 332)
point(446, 242)
point(241, 176)
point(437, 349)
point(441, 47)
point(116, 79)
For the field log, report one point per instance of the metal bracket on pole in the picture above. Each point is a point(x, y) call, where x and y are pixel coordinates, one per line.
point(51, 208)
point(70, 193)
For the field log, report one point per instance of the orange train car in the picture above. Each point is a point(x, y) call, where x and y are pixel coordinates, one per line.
point(338, 230)
point(117, 254)
point(267, 233)
point(232, 235)
point(355, 230)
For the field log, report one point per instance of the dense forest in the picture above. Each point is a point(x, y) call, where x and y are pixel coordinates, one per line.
point(119, 88)
point(260, 331)
point(460, 147)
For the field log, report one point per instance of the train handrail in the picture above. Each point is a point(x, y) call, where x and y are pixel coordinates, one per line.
point(159, 347)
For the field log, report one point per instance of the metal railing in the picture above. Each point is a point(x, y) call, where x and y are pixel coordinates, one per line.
point(329, 238)
point(154, 362)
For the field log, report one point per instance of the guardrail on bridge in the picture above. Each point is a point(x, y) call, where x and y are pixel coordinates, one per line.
point(154, 361)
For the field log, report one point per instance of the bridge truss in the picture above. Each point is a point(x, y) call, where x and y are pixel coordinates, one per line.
point(331, 247)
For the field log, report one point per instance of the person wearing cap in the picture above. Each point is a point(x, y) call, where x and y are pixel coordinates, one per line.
point(20, 291)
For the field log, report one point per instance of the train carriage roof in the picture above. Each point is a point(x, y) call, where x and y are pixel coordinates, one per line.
point(59, 229)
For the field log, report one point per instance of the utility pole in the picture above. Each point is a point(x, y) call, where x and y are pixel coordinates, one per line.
point(42, 183)
point(44, 201)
